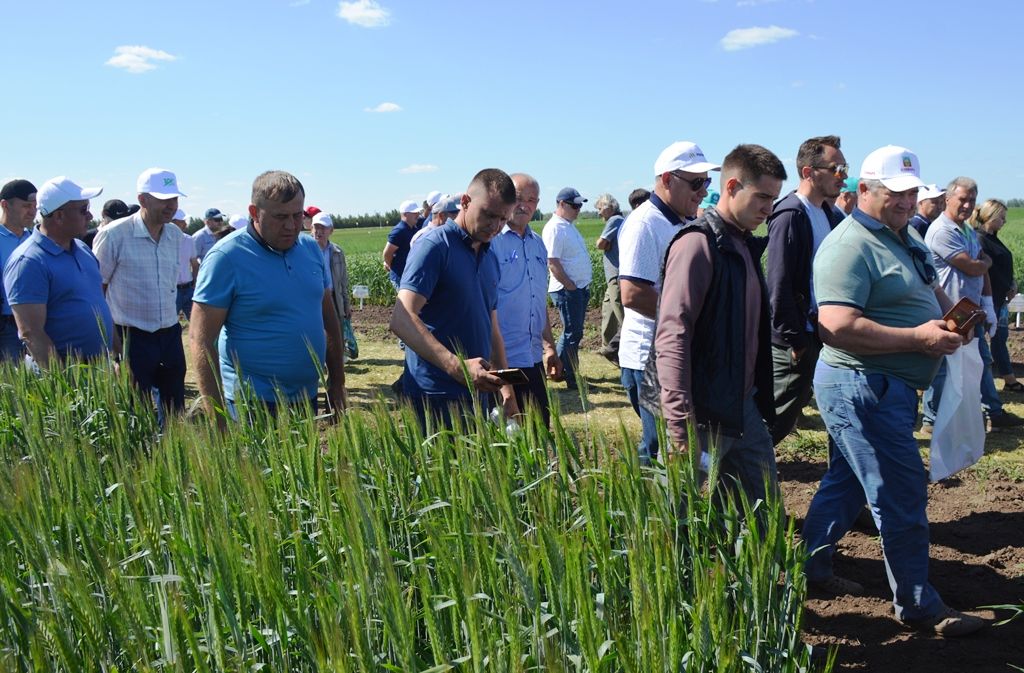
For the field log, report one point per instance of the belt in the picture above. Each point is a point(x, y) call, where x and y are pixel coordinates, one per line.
point(182, 286)
point(129, 328)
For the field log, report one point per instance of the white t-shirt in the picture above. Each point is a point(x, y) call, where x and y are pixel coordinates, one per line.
point(820, 228)
point(565, 243)
point(643, 241)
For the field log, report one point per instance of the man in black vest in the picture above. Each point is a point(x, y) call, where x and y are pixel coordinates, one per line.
point(712, 341)
point(797, 226)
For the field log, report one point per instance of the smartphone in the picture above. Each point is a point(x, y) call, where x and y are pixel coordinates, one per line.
point(514, 376)
point(964, 315)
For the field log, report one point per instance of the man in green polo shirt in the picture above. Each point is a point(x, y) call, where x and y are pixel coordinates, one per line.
point(880, 310)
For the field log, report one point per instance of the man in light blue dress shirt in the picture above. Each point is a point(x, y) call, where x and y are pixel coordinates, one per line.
point(522, 298)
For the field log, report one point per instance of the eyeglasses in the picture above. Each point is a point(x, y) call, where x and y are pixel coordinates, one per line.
point(836, 169)
point(696, 184)
point(924, 270)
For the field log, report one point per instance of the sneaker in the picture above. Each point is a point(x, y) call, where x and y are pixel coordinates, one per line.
point(950, 623)
point(926, 429)
point(834, 585)
point(1006, 420)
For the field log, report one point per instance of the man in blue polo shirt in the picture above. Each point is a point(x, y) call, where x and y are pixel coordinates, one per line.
point(446, 309)
point(523, 299)
point(268, 288)
point(53, 281)
point(17, 210)
point(396, 250)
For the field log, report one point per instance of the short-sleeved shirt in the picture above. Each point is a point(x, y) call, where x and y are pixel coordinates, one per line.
point(186, 253)
point(68, 282)
point(204, 240)
point(274, 328)
point(8, 242)
point(610, 233)
point(565, 243)
point(643, 242)
point(461, 288)
point(522, 295)
point(401, 237)
point(865, 265)
point(141, 274)
point(946, 239)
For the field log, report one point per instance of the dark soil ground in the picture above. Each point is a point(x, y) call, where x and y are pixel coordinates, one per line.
point(977, 559)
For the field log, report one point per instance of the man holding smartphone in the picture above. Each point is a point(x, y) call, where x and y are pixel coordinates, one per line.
point(446, 310)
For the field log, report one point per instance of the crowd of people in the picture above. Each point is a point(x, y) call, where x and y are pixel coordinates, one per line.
point(726, 350)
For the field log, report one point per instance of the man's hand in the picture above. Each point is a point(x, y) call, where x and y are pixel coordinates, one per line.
point(481, 377)
point(508, 402)
point(795, 354)
point(337, 398)
point(553, 365)
point(935, 339)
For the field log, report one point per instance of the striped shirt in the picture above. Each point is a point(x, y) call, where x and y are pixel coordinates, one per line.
point(141, 274)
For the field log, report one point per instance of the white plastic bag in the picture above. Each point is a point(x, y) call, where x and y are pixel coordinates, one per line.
point(958, 436)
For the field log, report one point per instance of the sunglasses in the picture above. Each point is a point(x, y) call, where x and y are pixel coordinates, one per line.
point(924, 270)
point(696, 184)
point(574, 206)
point(836, 169)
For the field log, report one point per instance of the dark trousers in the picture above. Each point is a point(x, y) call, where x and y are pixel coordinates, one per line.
point(793, 385)
point(533, 392)
point(184, 299)
point(10, 343)
point(157, 361)
point(572, 308)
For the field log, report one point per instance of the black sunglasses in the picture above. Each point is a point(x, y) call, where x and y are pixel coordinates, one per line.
point(696, 184)
point(574, 206)
point(924, 270)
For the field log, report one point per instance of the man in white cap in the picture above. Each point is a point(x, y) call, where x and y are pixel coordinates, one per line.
point(53, 281)
point(428, 207)
point(571, 273)
point(444, 210)
point(322, 226)
point(681, 183)
point(139, 263)
point(931, 201)
point(963, 267)
point(880, 311)
point(17, 210)
point(396, 250)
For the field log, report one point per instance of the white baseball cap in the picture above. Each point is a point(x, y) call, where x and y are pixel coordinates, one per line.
point(409, 206)
point(158, 182)
point(239, 221)
point(929, 192)
point(180, 215)
point(433, 197)
point(323, 219)
point(896, 167)
point(55, 192)
point(683, 156)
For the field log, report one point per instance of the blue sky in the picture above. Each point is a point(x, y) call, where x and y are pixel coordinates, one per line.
point(372, 102)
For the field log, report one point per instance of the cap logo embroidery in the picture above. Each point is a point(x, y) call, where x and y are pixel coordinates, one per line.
point(168, 181)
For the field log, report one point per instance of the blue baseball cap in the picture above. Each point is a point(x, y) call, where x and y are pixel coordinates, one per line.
point(213, 214)
point(447, 204)
point(570, 195)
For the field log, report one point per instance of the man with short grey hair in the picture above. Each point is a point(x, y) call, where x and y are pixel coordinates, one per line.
point(963, 271)
point(611, 306)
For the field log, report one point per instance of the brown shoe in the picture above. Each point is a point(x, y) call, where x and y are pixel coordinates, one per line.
point(950, 623)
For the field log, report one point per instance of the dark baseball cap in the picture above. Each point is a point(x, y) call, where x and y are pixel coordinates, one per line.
point(115, 209)
point(213, 214)
point(17, 189)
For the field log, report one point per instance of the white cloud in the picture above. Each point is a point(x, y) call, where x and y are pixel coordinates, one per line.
point(138, 59)
point(365, 13)
point(418, 168)
point(384, 107)
point(745, 38)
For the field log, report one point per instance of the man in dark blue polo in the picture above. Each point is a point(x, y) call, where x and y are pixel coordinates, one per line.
point(53, 281)
point(396, 250)
point(446, 309)
point(17, 210)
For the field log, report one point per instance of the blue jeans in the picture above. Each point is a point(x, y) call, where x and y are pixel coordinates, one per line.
point(572, 308)
point(648, 448)
point(989, 395)
point(184, 300)
point(1001, 364)
point(870, 418)
point(10, 343)
point(271, 406)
